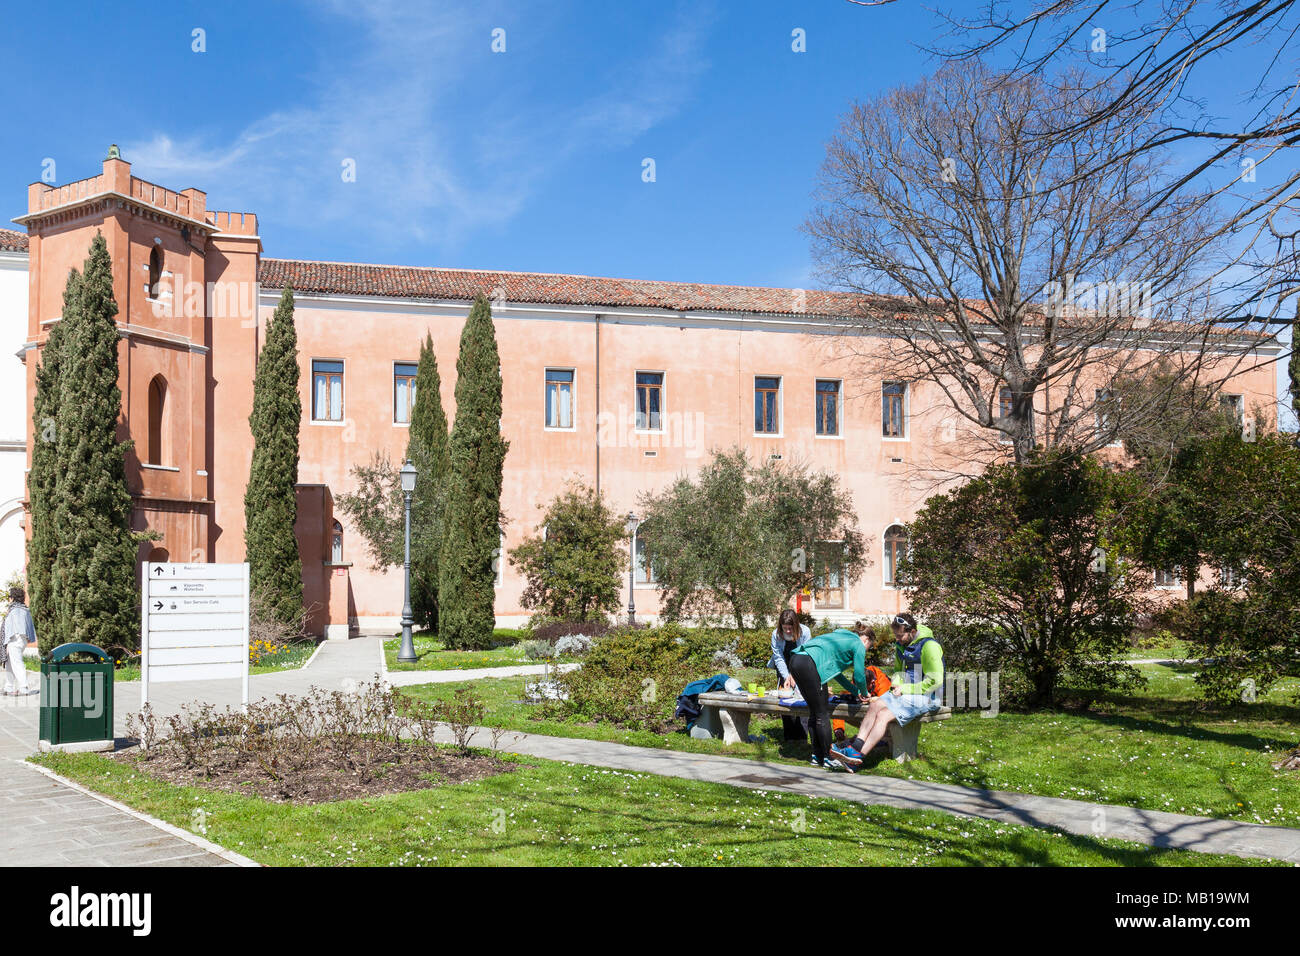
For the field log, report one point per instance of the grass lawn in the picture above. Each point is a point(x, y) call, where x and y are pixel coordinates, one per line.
point(1160, 750)
point(1174, 651)
point(431, 655)
point(292, 657)
point(550, 813)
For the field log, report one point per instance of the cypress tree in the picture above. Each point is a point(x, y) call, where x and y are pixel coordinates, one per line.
point(94, 586)
point(427, 448)
point(43, 478)
point(471, 540)
point(270, 501)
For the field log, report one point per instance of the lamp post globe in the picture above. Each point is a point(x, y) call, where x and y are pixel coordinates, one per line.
point(407, 653)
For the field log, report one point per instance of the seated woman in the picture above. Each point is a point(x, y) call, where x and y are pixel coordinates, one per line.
point(917, 690)
point(788, 636)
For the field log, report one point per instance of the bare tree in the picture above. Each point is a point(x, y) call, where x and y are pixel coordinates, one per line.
point(989, 265)
point(1170, 60)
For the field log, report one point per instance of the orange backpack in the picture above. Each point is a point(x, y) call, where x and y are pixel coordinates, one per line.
point(877, 681)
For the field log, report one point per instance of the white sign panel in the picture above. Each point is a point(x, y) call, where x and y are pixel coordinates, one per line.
point(193, 623)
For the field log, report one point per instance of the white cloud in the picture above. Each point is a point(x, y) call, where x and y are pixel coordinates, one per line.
point(398, 110)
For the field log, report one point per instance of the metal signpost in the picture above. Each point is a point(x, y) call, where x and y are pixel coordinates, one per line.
point(193, 624)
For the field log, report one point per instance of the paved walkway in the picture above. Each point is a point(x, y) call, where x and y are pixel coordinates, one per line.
point(409, 678)
point(85, 824)
point(49, 824)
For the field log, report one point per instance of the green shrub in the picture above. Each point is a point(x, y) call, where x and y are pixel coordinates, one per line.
point(752, 646)
point(631, 676)
point(634, 699)
point(538, 650)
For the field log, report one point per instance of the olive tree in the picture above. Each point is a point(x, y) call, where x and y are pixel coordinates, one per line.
point(574, 561)
point(739, 540)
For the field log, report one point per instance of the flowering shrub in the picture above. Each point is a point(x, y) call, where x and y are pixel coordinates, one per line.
point(260, 649)
point(727, 657)
point(575, 645)
point(631, 677)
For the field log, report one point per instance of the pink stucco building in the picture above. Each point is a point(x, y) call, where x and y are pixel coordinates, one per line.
point(621, 383)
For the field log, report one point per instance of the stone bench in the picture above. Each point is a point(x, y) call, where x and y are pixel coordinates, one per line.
point(727, 716)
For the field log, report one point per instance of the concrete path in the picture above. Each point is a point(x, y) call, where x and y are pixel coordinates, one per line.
point(342, 665)
point(410, 678)
point(49, 824)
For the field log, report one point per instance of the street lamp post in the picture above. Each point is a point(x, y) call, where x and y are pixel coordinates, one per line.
point(407, 654)
point(631, 526)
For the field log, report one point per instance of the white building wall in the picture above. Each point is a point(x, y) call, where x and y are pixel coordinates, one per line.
point(13, 410)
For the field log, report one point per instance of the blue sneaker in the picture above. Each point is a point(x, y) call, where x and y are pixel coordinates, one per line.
point(846, 755)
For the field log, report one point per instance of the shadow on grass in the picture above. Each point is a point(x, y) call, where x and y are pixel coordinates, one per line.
point(1187, 717)
point(979, 849)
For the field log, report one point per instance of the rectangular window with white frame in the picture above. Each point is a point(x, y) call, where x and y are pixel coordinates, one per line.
point(645, 568)
point(1167, 578)
point(828, 408)
point(327, 390)
point(767, 404)
point(1235, 407)
point(893, 410)
point(1006, 405)
point(1106, 405)
point(649, 401)
point(404, 391)
point(559, 398)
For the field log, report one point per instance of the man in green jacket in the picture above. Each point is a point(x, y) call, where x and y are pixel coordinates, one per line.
point(916, 689)
point(818, 661)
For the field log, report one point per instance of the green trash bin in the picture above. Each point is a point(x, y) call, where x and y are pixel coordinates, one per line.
point(76, 700)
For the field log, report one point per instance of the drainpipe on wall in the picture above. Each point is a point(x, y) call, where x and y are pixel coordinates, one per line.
point(597, 420)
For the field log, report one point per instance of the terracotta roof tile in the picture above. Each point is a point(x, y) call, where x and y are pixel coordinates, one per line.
point(11, 241)
point(342, 278)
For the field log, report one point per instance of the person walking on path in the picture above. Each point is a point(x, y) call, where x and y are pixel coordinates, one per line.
point(18, 629)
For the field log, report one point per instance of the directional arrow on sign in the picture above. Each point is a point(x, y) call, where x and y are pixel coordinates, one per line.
point(197, 605)
point(158, 570)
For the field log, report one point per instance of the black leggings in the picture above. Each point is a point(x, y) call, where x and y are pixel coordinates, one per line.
point(804, 671)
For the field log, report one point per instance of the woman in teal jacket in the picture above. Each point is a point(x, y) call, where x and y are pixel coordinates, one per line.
point(815, 664)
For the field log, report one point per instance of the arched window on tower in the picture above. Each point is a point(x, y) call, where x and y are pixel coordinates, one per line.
point(158, 450)
point(155, 271)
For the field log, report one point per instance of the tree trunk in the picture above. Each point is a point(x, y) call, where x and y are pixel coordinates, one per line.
point(1044, 681)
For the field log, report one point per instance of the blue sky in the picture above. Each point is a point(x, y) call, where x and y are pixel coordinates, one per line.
point(528, 160)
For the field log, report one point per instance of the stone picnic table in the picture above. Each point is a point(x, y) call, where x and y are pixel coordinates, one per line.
point(727, 716)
